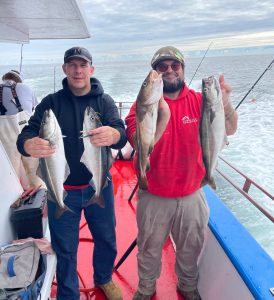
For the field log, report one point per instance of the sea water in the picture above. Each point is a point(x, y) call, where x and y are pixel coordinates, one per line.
point(251, 149)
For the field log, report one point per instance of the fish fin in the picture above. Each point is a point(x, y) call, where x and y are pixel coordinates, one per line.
point(39, 171)
point(60, 210)
point(65, 193)
point(95, 199)
point(67, 172)
point(212, 116)
point(82, 159)
point(212, 183)
point(106, 182)
point(151, 147)
point(204, 182)
point(143, 184)
point(91, 183)
point(148, 165)
point(110, 158)
point(51, 196)
point(226, 141)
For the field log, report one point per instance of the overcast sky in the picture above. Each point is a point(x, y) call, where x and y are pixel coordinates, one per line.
point(126, 27)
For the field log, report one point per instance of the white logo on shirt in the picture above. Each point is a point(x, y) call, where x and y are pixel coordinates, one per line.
point(187, 120)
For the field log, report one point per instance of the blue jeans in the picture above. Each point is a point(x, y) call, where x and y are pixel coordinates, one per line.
point(65, 238)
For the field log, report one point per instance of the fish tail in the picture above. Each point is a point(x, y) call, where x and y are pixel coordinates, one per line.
point(204, 182)
point(143, 184)
point(60, 210)
point(96, 199)
point(212, 183)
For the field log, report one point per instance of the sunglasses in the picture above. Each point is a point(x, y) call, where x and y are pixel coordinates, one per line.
point(162, 67)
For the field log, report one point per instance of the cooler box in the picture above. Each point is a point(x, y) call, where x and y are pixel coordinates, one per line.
point(27, 218)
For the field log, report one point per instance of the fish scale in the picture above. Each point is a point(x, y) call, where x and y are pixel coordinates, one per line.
point(96, 159)
point(146, 120)
point(54, 169)
point(212, 127)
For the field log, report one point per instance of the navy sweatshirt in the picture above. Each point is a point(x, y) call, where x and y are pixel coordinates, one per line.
point(69, 111)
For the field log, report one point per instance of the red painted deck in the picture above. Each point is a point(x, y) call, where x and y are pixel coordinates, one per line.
point(126, 276)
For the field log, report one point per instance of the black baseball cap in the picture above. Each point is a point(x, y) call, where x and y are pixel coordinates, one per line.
point(77, 52)
point(165, 53)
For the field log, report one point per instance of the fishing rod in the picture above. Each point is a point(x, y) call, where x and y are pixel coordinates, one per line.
point(54, 78)
point(200, 62)
point(268, 68)
point(21, 59)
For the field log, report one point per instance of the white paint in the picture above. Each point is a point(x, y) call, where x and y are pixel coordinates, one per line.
point(218, 278)
point(10, 190)
point(24, 20)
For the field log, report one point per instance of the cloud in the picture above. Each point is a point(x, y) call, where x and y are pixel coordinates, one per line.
point(127, 28)
point(116, 19)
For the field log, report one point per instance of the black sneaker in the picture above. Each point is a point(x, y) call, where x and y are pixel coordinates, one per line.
point(190, 295)
point(139, 296)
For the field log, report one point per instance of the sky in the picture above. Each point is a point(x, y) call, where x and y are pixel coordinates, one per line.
point(125, 29)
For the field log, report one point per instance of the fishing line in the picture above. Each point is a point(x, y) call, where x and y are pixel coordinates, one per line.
point(268, 68)
point(200, 62)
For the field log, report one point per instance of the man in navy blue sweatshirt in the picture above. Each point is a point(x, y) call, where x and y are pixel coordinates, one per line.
point(80, 90)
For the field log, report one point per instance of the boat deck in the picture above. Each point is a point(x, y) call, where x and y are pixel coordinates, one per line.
point(126, 276)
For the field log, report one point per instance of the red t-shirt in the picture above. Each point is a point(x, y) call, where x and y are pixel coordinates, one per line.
point(176, 166)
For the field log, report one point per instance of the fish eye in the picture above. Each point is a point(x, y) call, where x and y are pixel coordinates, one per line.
point(144, 83)
point(205, 89)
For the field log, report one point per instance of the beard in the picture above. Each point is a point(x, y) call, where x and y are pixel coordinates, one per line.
point(172, 87)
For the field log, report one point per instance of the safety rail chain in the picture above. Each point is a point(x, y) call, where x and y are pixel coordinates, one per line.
point(245, 189)
point(123, 106)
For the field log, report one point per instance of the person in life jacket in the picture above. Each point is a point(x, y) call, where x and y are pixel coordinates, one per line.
point(17, 101)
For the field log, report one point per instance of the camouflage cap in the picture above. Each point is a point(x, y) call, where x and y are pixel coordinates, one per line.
point(167, 52)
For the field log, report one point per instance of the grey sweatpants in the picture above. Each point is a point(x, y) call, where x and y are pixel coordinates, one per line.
point(186, 219)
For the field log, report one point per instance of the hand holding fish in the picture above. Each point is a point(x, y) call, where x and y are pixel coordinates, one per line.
point(37, 147)
point(231, 117)
point(104, 136)
point(225, 88)
point(148, 126)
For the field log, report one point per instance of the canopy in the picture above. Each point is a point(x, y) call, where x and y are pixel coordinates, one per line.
point(24, 20)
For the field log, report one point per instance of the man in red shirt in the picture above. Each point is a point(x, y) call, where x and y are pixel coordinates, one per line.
point(174, 202)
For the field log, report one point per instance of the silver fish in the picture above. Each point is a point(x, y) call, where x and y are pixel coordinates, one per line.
point(98, 160)
point(146, 120)
point(212, 127)
point(54, 169)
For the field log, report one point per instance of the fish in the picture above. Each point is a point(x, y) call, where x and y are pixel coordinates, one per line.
point(31, 165)
point(54, 170)
point(212, 127)
point(97, 160)
point(147, 103)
